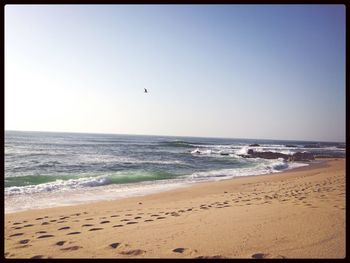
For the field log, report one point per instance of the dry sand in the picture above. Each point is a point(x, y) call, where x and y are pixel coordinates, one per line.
point(295, 214)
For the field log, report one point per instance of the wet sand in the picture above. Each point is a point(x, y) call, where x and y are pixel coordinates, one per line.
point(294, 214)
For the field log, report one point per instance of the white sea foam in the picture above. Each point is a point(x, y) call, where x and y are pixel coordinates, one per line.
point(236, 152)
point(58, 185)
point(204, 152)
point(123, 160)
point(90, 189)
point(265, 167)
point(196, 151)
point(243, 150)
point(15, 203)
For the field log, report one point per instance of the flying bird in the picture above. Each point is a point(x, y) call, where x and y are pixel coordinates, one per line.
point(145, 90)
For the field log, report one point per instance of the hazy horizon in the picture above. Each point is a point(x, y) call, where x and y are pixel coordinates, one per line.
point(167, 135)
point(274, 72)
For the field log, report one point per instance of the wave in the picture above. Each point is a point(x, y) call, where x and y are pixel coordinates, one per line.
point(243, 150)
point(126, 160)
point(37, 184)
point(33, 180)
point(237, 152)
point(278, 165)
point(203, 152)
point(265, 167)
point(16, 203)
point(177, 143)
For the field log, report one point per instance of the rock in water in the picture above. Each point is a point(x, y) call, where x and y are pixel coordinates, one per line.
point(299, 156)
point(302, 156)
point(266, 155)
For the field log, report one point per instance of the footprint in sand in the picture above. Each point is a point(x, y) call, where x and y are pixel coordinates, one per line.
point(73, 248)
point(114, 245)
point(105, 222)
point(114, 215)
point(40, 232)
point(148, 220)
point(186, 250)
point(24, 241)
point(89, 219)
point(64, 228)
point(262, 256)
point(161, 217)
point(137, 217)
point(37, 256)
point(95, 229)
point(16, 235)
point(46, 236)
point(73, 233)
point(60, 243)
point(85, 225)
point(216, 256)
point(18, 227)
point(29, 225)
point(39, 218)
point(45, 223)
point(134, 252)
point(179, 250)
point(16, 223)
point(118, 225)
point(130, 223)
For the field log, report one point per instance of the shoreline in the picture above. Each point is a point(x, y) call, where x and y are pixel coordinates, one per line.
point(284, 214)
point(162, 188)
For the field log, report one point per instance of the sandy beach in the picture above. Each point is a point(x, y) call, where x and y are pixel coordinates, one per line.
point(294, 214)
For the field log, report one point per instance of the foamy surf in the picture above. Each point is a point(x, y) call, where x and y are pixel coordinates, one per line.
point(88, 190)
point(43, 169)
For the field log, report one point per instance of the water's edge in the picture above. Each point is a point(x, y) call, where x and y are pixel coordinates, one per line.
point(134, 190)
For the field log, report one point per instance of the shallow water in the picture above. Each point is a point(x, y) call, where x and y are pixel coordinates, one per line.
point(42, 169)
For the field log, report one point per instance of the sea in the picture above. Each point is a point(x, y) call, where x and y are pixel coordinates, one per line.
point(48, 169)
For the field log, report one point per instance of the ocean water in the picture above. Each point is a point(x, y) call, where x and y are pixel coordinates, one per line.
point(45, 169)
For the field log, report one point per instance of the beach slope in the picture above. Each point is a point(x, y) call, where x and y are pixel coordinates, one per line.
point(294, 214)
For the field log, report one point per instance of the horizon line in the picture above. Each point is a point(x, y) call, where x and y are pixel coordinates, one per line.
point(208, 137)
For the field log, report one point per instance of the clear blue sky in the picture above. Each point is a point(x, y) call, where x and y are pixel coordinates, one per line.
point(240, 71)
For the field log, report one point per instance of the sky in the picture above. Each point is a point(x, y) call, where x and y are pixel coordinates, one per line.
point(232, 71)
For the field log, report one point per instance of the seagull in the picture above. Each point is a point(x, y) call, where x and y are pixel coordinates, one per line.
point(145, 90)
